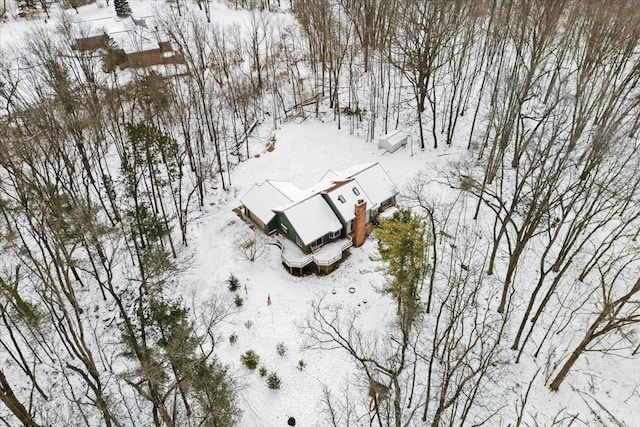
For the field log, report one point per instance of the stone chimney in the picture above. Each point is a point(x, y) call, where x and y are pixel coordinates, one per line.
point(359, 226)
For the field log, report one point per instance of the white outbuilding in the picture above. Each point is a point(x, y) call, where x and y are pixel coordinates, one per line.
point(393, 140)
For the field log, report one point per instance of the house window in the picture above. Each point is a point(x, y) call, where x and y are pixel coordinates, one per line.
point(317, 243)
point(284, 228)
point(355, 191)
point(299, 242)
point(335, 234)
point(351, 225)
point(342, 199)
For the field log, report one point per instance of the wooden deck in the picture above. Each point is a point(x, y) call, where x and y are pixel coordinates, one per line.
point(324, 258)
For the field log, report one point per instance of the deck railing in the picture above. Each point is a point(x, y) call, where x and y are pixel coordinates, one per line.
point(308, 259)
point(279, 241)
point(327, 262)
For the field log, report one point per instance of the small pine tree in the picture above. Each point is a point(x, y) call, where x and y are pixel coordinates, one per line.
point(281, 349)
point(273, 381)
point(250, 359)
point(238, 300)
point(262, 371)
point(122, 8)
point(27, 4)
point(301, 365)
point(233, 283)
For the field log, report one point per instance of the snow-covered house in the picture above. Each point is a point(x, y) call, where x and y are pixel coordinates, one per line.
point(129, 48)
point(318, 224)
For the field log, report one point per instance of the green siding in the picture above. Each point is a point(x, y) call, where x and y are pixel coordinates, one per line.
point(291, 233)
point(371, 214)
point(272, 225)
point(327, 238)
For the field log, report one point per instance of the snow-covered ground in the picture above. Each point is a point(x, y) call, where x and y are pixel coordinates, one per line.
point(304, 151)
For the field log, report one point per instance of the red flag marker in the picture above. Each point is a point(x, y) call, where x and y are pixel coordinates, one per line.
point(268, 300)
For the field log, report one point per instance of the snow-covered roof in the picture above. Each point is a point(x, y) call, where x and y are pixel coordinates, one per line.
point(348, 173)
point(372, 178)
point(330, 176)
point(262, 198)
point(395, 137)
point(312, 218)
point(376, 183)
point(289, 189)
point(345, 196)
point(388, 213)
point(308, 211)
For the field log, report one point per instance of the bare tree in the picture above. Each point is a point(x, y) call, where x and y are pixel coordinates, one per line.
point(371, 22)
point(421, 32)
point(617, 310)
point(383, 361)
point(463, 351)
point(436, 368)
point(251, 245)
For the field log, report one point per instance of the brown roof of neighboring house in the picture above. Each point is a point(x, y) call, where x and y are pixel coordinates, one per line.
point(91, 43)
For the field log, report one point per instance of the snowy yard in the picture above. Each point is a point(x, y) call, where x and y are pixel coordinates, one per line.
point(304, 152)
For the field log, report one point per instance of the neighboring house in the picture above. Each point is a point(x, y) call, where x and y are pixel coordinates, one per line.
point(321, 222)
point(139, 56)
point(92, 43)
point(162, 55)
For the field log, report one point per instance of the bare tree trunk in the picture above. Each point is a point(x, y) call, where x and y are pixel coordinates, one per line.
point(15, 406)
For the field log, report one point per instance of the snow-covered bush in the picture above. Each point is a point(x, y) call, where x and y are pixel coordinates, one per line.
point(273, 381)
point(233, 338)
point(238, 301)
point(233, 283)
point(250, 359)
